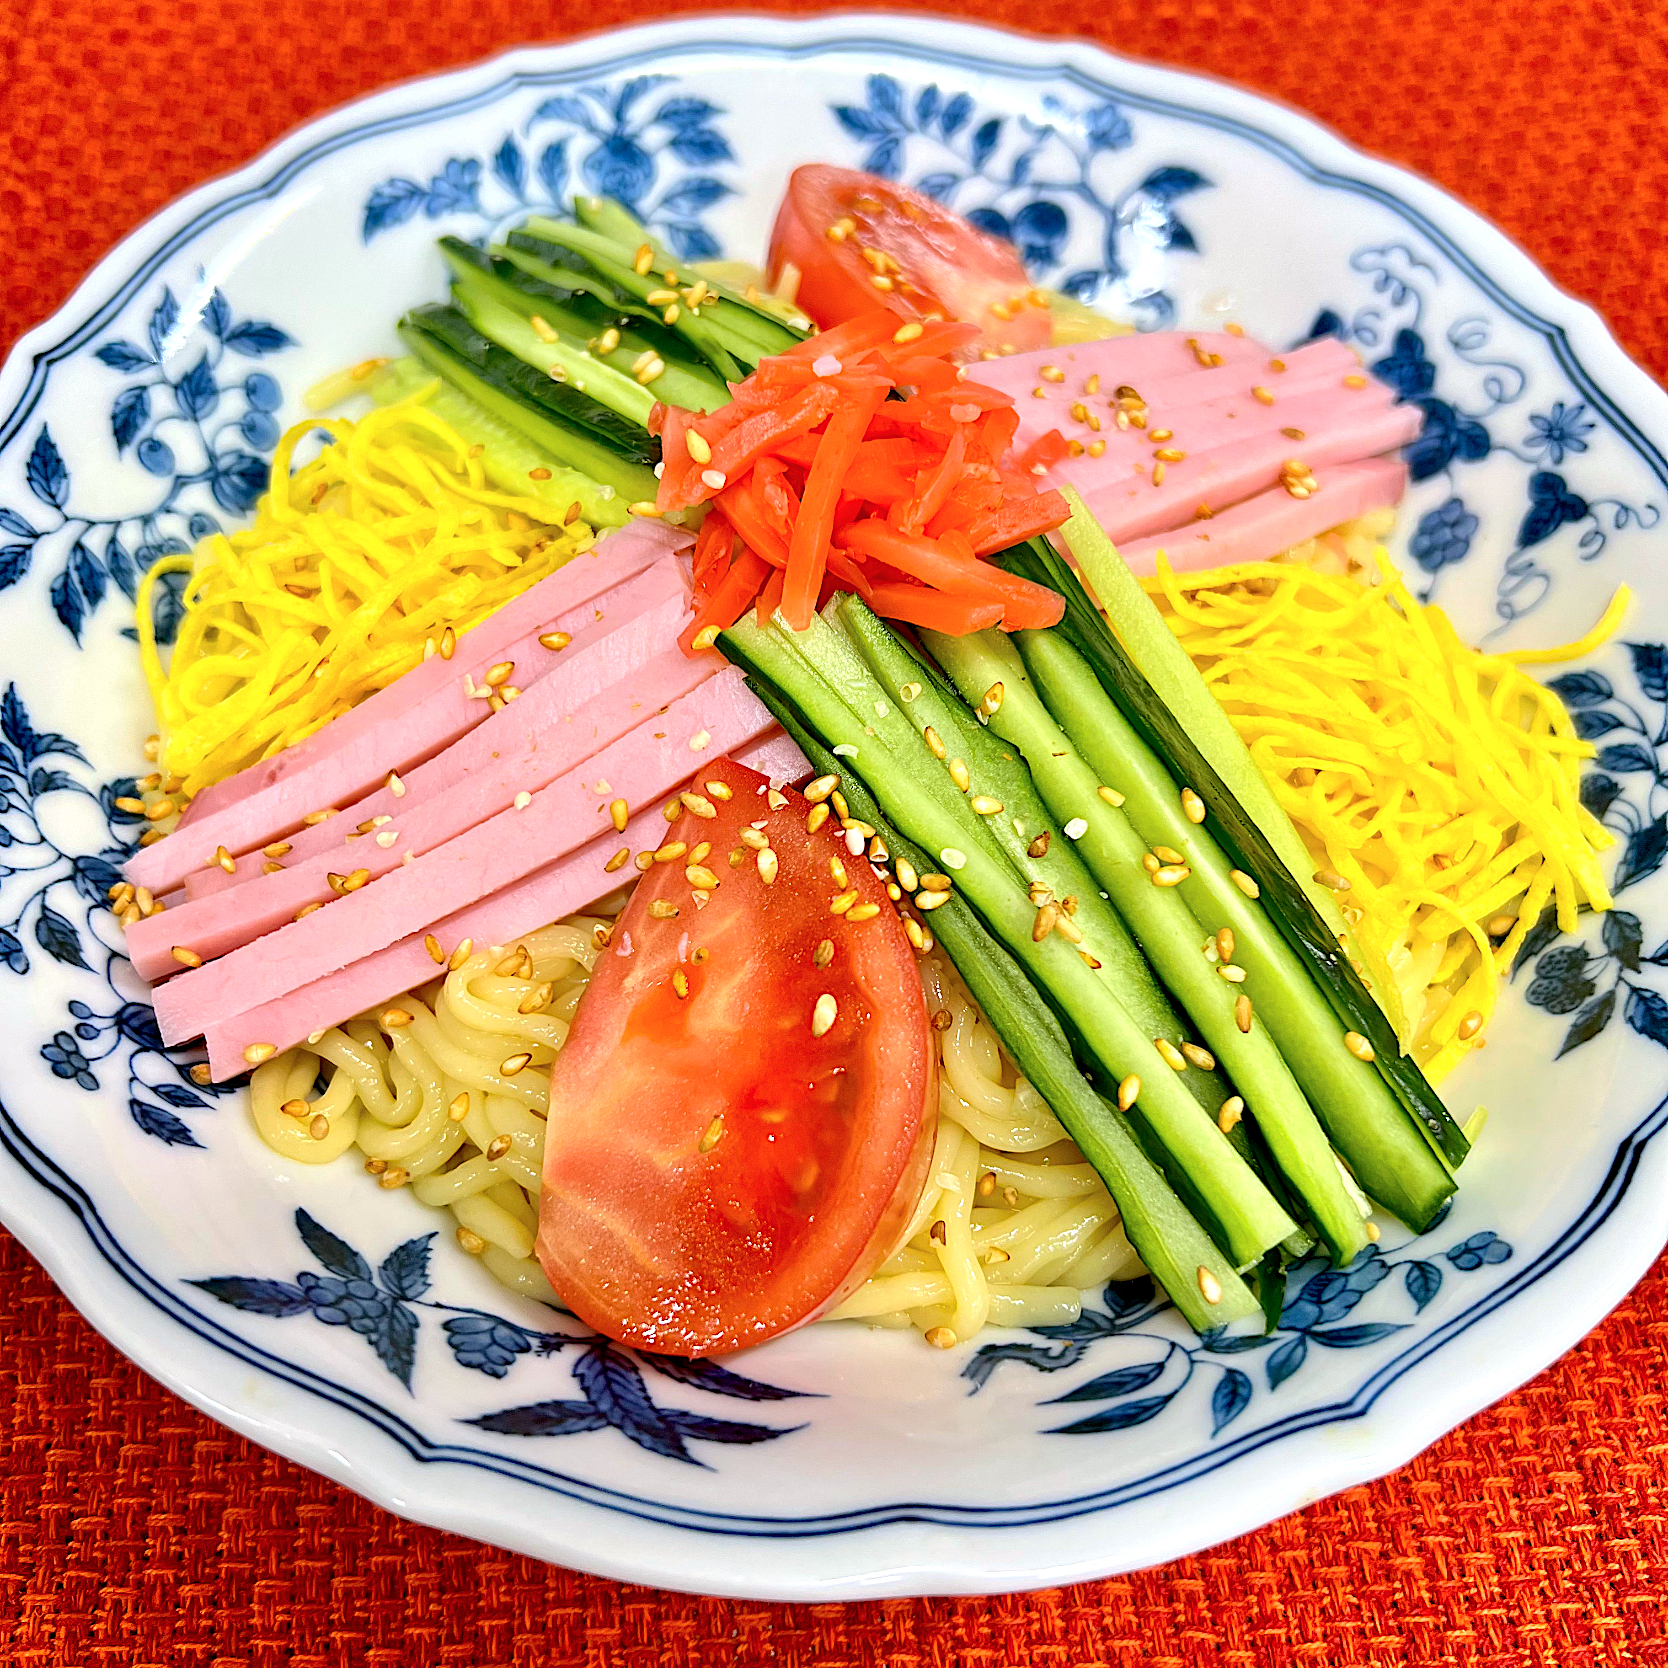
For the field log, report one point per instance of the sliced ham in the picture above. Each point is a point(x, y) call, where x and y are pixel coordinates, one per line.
point(722, 714)
point(610, 562)
point(1136, 360)
point(519, 750)
point(422, 719)
point(560, 888)
point(1273, 521)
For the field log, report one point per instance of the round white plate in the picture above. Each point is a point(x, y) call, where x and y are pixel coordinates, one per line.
point(837, 1463)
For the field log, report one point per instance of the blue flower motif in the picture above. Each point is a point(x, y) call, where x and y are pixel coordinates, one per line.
point(351, 1303)
point(1443, 535)
point(619, 167)
point(64, 1056)
point(1471, 1254)
point(1561, 983)
point(486, 1343)
point(1563, 429)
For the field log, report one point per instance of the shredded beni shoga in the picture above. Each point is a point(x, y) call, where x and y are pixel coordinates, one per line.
point(1437, 785)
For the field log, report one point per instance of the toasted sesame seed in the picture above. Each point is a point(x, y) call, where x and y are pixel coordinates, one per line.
point(953, 859)
point(1128, 1091)
point(1068, 929)
point(959, 774)
point(1170, 1054)
point(1158, 474)
point(391, 1019)
point(1225, 943)
point(907, 877)
point(1332, 880)
point(931, 900)
point(935, 883)
point(1469, 1026)
point(375, 1166)
point(863, 912)
point(1501, 925)
point(535, 999)
point(755, 839)
point(1355, 380)
point(1193, 807)
point(1232, 972)
point(185, 957)
point(1043, 925)
point(256, 1053)
point(768, 866)
point(514, 1064)
point(1358, 1045)
point(930, 736)
point(821, 788)
point(1232, 1110)
point(1245, 883)
point(1210, 1288)
point(697, 805)
point(941, 1337)
point(984, 806)
point(838, 870)
point(671, 851)
point(1171, 874)
point(823, 1015)
point(396, 1175)
point(842, 901)
point(1169, 454)
point(1201, 1057)
point(697, 874)
point(1039, 846)
point(314, 818)
point(306, 910)
point(1242, 1012)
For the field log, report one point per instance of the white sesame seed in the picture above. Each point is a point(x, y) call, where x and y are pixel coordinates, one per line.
point(523, 800)
point(715, 478)
point(823, 1015)
point(845, 751)
point(828, 365)
point(1075, 829)
point(387, 838)
point(854, 841)
point(953, 859)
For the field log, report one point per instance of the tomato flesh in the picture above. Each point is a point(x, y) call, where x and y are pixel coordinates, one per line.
point(933, 261)
point(715, 1172)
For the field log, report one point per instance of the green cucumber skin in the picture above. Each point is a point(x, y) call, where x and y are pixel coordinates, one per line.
point(570, 447)
point(1168, 932)
point(1170, 1242)
point(1023, 817)
point(507, 455)
point(1250, 1218)
point(1389, 1156)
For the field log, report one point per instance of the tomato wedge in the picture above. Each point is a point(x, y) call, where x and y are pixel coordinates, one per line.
point(719, 1165)
point(843, 230)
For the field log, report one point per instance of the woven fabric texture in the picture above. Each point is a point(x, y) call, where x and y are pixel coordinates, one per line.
point(135, 1531)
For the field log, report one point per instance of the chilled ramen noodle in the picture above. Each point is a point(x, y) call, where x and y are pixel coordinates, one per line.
point(446, 1090)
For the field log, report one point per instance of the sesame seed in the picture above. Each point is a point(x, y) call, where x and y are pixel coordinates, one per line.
point(843, 901)
point(1158, 474)
point(514, 1064)
point(1170, 874)
point(699, 875)
point(1067, 928)
point(1232, 972)
point(863, 912)
point(1262, 396)
point(185, 957)
point(448, 643)
point(855, 837)
point(698, 806)
point(959, 775)
point(460, 955)
point(1193, 807)
point(935, 883)
point(256, 1053)
point(1201, 1057)
point(700, 741)
point(1332, 880)
point(1075, 829)
point(776, 800)
point(823, 1015)
point(319, 1128)
point(1358, 1045)
point(1242, 1012)
point(396, 1175)
point(985, 806)
point(755, 839)
point(718, 790)
point(1039, 846)
point(1128, 1091)
point(1355, 380)
point(929, 901)
point(1501, 925)
point(931, 737)
point(535, 999)
point(1233, 1109)
point(1052, 373)
point(941, 1337)
point(768, 866)
point(1470, 1026)
point(820, 789)
point(1170, 1054)
point(1225, 944)
point(671, 851)
point(1210, 1288)
point(992, 702)
point(952, 859)
point(1169, 454)
point(391, 1019)
point(1043, 925)
point(1245, 883)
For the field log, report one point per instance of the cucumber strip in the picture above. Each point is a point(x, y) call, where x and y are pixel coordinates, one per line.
point(896, 775)
point(721, 348)
point(996, 774)
point(1169, 1241)
point(1285, 901)
point(565, 272)
point(507, 455)
point(1167, 930)
point(567, 444)
point(1391, 1160)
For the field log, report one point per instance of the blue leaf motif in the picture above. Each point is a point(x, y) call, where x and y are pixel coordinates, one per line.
point(129, 413)
point(511, 166)
point(45, 472)
point(938, 186)
point(927, 103)
point(394, 1338)
point(455, 189)
point(1598, 793)
point(553, 170)
point(1446, 435)
point(1587, 1023)
point(1354, 1337)
point(15, 725)
point(49, 781)
point(1623, 936)
point(1406, 367)
point(333, 1253)
point(1109, 130)
point(685, 112)
point(197, 392)
point(405, 1270)
point(563, 108)
point(717, 1380)
point(93, 877)
point(390, 204)
point(1645, 850)
point(628, 94)
point(218, 316)
point(163, 320)
point(1647, 1013)
point(859, 123)
point(955, 114)
point(1286, 1360)
point(700, 147)
point(1627, 757)
point(1167, 184)
point(984, 141)
point(158, 1121)
point(1119, 1418)
point(1038, 1357)
point(691, 243)
point(1423, 1282)
point(12, 522)
point(1586, 689)
point(1331, 1294)
point(886, 98)
point(255, 338)
point(1120, 1382)
point(1176, 236)
point(1230, 1399)
point(1551, 504)
point(702, 1427)
point(256, 1297)
point(553, 1418)
point(616, 1390)
point(1561, 983)
point(690, 196)
point(1650, 667)
point(14, 563)
point(885, 158)
point(1328, 323)
point(238, 481)
point(123, 356)
point(176, 1094)
point(12, 952)
point(89, 573)
point(66, 603)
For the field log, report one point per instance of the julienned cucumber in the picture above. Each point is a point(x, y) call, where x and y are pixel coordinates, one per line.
point(1030, 838)
point(1176, 1250)
point(512, 462)
point(1390, 1158)
point(857, 724)
point(1285, 902)
point(1166, 929)
point(497, 386)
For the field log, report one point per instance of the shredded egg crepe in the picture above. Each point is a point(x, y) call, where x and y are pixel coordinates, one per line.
point(356, 565)
point(1437, 785)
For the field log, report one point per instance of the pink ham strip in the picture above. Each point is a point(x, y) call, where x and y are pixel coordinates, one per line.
point(558, 889)
point(519, 750)
point(423, 719)
point(1130, 507)
point(1158, 354)
point(1262, 527)
point(594, 664)
point(721, 714)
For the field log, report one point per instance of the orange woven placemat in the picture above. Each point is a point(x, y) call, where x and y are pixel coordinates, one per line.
point(132, 1530)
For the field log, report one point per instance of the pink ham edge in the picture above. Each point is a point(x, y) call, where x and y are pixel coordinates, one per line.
point(592, 665)
point(516, 751)
point(559, 889)
point(492, 855)
point(422, 720)
point(610, 562)
point(1264, 526)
